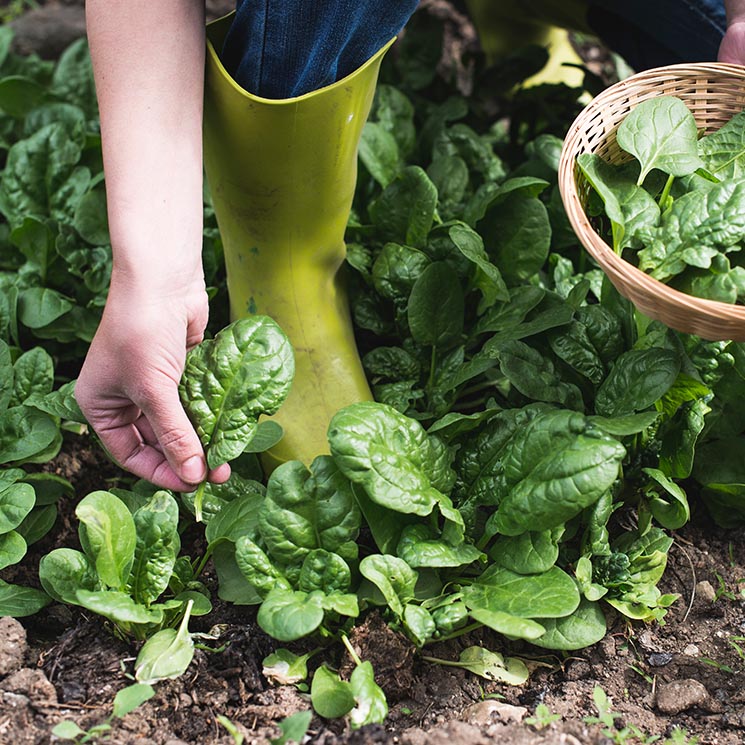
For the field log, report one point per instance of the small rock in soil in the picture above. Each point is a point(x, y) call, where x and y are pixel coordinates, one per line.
point(455, 733)
point(31, 683)
point(12, 645)
point(484, 713)
point(681, 695)
point(660, 659)
point(705, 592)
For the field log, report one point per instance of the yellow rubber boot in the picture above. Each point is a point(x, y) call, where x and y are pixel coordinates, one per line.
point(506, 25)
point(282, 175)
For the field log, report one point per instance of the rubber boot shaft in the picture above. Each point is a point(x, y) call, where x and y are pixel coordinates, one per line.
point(282, 175)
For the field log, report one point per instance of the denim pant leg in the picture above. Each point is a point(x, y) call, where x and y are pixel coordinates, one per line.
point(650, 33)
point(284, 48)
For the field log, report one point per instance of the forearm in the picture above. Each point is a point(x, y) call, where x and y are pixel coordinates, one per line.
point(735, 11)
point(148, 60)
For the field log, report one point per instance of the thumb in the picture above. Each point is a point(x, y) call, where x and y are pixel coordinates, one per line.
point(176, 436)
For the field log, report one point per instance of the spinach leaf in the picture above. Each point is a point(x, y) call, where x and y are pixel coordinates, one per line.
point(19, 601)
point(325, 571)
point(551, 594)
point(371, 705)
point(694, 229)
point(405, 210)
point(630, 208)
point(331, 696)
point(229, 381)
point(535, 376)
point(306, 510)
point(583, 628)
point(257, 568)
point(517, 235)
point(42, 175)
point(378, 151)
point(387, 454)
point(530, 553)
point(723, 151)
point(488, 278)
point(555, 467)
point(661, 133)
point(167, 654)
point(436, 307)
point(108, 536)
point(287, 615)
point(157, 546)
point(393, 577)
point(396, 269)
point(419, 547)
point(638, 379)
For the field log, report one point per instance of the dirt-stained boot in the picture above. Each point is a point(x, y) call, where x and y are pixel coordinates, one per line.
point(282, 175)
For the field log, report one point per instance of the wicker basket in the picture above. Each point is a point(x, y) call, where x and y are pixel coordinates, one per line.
point(714, 92)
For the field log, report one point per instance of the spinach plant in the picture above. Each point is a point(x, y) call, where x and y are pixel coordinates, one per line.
point(129, 570)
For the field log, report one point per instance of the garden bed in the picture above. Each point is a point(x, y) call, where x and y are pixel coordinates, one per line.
point(679, 679)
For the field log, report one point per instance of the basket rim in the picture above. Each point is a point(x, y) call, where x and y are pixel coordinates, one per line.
point(697, 309)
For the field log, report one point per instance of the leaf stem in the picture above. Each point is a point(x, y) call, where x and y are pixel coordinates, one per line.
point(198, 497)
point(183, 629)
point(666, 192)
point(460, 632)
point(199, 568)
point(487, 385)
point(355, 657)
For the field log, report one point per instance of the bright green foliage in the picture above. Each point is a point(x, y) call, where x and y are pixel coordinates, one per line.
point(229, 381)
point(661, 133)
point(285, 667)
point(293, 728)
point(167, 653)
point(17, 529)
point(520, 401)
point(690, 231)
point(361, 698)
point(129, 560)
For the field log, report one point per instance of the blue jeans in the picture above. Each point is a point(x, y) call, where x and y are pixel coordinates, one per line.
point(650, 33)
point(284, 48)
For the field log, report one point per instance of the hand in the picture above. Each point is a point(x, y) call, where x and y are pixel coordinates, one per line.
point(128, 386)
point(732, 48)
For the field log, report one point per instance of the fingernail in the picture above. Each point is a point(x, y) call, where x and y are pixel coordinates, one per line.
point(193, 470)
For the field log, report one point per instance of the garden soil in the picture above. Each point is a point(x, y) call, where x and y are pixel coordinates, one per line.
point(687, 673)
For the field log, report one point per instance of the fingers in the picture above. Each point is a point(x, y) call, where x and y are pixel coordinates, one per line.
point(217, 475)
point(175, 435)
point(220, 474)
point(732, 48)
point(131, 450)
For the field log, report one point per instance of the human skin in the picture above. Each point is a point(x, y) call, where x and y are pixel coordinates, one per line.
point(148, 61)
point(732, 48)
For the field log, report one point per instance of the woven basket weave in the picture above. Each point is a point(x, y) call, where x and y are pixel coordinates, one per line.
point(714, 93)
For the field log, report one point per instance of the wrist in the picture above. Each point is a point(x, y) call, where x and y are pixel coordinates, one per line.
point(153, 284)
